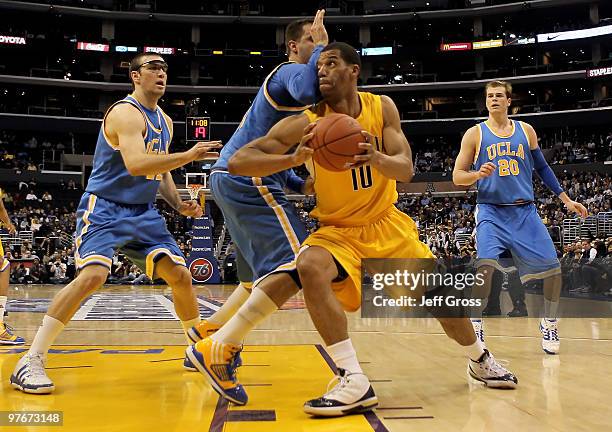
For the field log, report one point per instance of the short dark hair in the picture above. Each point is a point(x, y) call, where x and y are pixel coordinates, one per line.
point(135, 63)
point(347, 52)
point(295, 30)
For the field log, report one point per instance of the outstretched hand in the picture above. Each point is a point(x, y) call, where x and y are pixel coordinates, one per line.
point(190, 209)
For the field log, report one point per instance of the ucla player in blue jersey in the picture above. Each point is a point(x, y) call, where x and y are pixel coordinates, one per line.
point(504, 154)
point(261, 220)
point(131, 165)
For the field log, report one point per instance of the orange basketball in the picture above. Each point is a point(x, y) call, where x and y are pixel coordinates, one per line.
point(335, 141)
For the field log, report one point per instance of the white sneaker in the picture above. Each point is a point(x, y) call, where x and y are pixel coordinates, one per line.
point(29, 375)
point(352, 394)
point(491, 373)
point(550, 336)
point(478, 325)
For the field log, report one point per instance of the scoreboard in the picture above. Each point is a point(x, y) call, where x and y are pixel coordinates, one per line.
point(197, 129)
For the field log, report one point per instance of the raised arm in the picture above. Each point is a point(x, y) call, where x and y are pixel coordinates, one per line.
point(396, 161)
point(267, 155)
point(301, 80)
point(125, 127)
point(462, 175)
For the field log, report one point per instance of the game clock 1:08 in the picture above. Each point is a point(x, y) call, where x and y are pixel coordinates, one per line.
point(198, 128)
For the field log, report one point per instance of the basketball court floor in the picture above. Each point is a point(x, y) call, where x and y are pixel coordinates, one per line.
point(118, 367)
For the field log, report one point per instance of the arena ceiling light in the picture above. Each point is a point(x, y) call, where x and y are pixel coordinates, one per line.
point(575, 34)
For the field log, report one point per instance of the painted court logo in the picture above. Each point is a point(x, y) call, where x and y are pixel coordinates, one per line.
point(201, 269)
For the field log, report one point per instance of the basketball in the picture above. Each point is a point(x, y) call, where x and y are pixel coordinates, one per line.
point(336, 140)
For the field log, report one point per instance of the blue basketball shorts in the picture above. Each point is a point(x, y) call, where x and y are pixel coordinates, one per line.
point(520, 230)
point(138, 231)
point(261, 220)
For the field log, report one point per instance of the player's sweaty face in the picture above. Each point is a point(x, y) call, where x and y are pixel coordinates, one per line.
point(153, 75)
point(332, 72)
point(497, 101)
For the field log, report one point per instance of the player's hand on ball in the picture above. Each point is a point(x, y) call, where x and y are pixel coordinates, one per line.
point(486, 170)
point(190, 209)
point(203, 150)
point(370, 155)
point(317, 30)
point(577, 208)
point(303, 152)
point(308, 186)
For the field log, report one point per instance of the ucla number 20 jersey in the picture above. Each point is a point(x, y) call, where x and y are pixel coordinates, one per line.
point(110, 178)
point(512, 180)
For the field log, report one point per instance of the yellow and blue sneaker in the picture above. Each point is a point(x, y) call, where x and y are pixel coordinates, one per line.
point(216, 361)
point(8, 338)
point(200, 331)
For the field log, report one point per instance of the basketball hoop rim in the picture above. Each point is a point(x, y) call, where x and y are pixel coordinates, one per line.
point(194, 190)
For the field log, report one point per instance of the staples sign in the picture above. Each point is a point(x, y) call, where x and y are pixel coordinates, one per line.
point(159, 50)
point(593, 73)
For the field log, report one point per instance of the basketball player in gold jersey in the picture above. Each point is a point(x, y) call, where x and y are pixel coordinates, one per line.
point(356, 222)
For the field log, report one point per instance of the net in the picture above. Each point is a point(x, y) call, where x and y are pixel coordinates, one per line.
point(195, 191)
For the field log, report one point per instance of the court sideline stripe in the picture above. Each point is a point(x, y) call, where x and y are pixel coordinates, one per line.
point(370, 416)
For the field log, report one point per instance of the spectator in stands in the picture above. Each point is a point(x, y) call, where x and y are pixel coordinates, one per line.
point(38, 272)
point(18, 275)
point(47, 196)
point(31, 196)
point(141, 278)
point(58, 270)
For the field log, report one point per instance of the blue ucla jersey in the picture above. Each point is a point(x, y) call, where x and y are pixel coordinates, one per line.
point(110, 178)
point(274, 102)
point(511, 182)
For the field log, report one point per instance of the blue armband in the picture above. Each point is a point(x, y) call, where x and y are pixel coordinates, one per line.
point(295, 182)
point(545, 172)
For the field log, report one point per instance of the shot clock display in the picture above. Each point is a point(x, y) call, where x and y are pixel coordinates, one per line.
point(198, 128)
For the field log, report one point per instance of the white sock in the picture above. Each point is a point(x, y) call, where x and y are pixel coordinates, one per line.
point(257, 308)
point(344, 356)
point(550, 309)
point(187, 325)
point(46, 334)
point(231, 306)
point(474, 351)
point(3, 300)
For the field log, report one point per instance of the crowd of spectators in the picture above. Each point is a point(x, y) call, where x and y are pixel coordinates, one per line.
point(446, 224)
point(431, 154)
